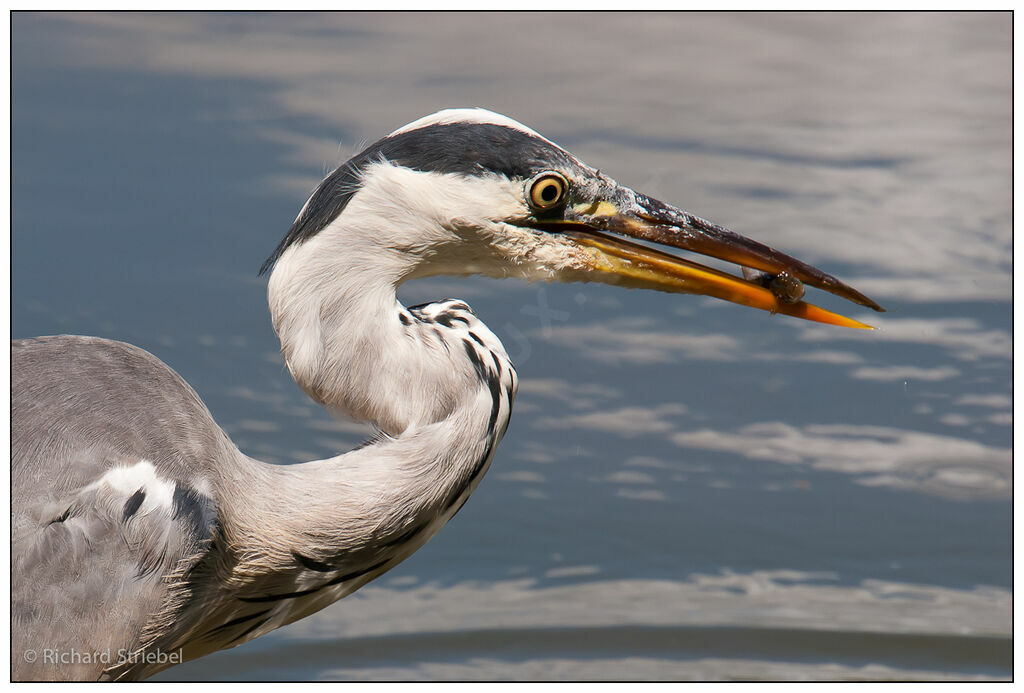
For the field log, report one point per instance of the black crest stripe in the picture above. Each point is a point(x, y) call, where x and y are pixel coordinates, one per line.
point(465, 148)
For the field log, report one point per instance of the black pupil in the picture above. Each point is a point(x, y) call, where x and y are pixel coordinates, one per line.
point(549, 193)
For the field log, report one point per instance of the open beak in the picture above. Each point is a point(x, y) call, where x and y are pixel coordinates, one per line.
point(604, 228)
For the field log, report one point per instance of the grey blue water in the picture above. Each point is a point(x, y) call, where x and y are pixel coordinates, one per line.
point(688, 489)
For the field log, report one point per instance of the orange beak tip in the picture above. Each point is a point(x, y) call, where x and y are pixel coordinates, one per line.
point(809, 311)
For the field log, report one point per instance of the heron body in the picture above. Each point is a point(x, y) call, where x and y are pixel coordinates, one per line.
point(142, 536)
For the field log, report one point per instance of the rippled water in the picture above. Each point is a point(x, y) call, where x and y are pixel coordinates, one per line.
point(689, 489)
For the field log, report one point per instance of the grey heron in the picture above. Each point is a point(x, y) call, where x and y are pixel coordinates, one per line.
point(142, 536)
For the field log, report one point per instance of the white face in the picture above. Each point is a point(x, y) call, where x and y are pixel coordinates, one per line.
point(452, 193)
point(457, 225)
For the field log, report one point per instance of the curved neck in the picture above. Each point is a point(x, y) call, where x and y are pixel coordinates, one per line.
point(433, 379)
point(349, 343)
point(337, 523)
point(360, 513)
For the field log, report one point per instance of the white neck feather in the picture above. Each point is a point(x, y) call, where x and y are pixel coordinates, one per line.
point(435, 381)
point(333, 297)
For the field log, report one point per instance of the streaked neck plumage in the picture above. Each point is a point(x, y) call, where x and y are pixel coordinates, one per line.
point(433, 379)
point(354, 348)
point(347, 340)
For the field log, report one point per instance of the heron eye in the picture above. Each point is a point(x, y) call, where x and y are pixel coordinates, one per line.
point(547, 190)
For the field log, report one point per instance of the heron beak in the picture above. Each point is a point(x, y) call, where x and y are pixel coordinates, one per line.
point(604, 228)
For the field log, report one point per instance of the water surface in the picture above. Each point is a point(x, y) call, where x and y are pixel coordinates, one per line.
point(688, 489)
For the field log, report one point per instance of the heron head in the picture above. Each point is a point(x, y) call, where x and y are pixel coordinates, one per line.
point(468, 191)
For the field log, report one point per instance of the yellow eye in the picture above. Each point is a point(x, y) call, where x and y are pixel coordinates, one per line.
point(547, 190)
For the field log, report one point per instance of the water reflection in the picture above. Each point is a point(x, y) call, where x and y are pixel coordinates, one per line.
point(670, 458)
point(728, 625)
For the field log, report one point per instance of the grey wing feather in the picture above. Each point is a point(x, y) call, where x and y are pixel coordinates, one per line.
point(112, 456)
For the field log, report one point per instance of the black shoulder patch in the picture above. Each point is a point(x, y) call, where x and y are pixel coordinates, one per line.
point(467, 148)
point(133, 504)
point(194, 509)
